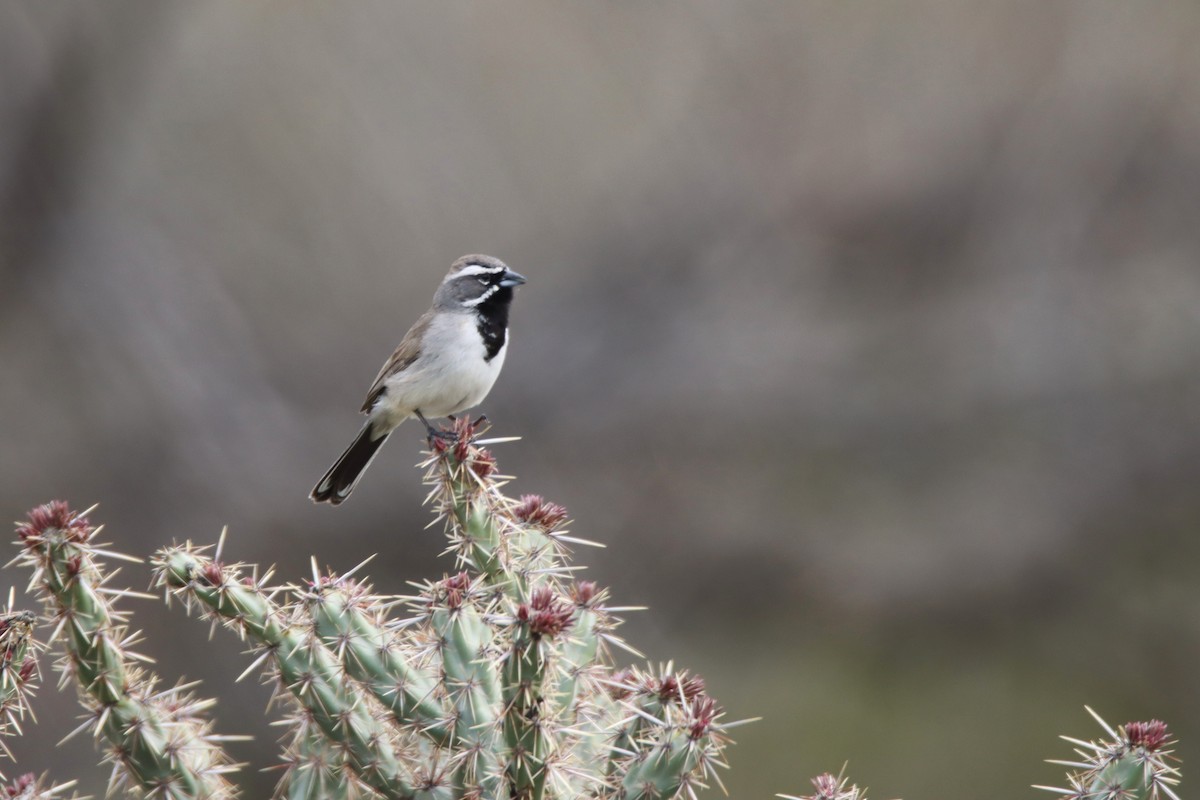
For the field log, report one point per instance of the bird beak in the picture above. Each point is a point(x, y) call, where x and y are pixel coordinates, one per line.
point(512, 278)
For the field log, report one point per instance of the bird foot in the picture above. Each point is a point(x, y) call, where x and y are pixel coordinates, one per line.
point(433, 434)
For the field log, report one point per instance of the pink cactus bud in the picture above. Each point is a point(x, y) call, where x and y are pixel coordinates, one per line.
point(483, 464)
point(464, 431)
point(545, 614)
point(828, 786)
point(213, 573)
point(55, 515)
point(456, 588)
point(622, 684)
point(21, 785)
point(540, 513)
point(704, 712)
point(584, 593)
point(671, 686)
point(1151, 735)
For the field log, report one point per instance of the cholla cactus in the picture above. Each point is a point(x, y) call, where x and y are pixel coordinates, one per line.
point(496, 682)
point(159, 741)
point(499, 682)
point(827, 786)
point(1133, 763)
point(18, 669)
point(31, 787)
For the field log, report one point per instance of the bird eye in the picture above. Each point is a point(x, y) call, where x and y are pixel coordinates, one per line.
point(484, 281)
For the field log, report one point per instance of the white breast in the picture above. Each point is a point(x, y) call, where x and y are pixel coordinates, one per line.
point(450, 375)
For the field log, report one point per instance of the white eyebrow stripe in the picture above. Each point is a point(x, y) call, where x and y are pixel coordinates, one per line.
point(473, 269)
point(491, 290)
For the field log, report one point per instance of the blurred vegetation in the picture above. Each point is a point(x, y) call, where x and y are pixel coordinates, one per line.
point(866, 334)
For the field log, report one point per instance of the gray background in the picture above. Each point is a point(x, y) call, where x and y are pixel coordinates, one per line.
point(865, 335)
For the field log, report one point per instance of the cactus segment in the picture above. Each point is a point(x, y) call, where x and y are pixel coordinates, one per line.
point(1135, 762)
point(159, 741)
point(18, 669)
point(317, 770)
point(305, 667)
point(346, 625)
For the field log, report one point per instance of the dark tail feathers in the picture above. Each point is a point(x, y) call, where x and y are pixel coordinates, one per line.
point(339, 482)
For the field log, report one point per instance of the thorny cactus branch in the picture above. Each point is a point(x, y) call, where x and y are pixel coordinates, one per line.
point(528, 728)
point(462, 640)
point(32, 787)
point(18, 669)
point(557, 666)
point(159, 741)
point(583, 649)
point(400, 672)
point(830, 787)
point(317, 770)
point(348, 622)
point(1133, 763)
point(305, 667)
point(672, 740)
point(508, 543)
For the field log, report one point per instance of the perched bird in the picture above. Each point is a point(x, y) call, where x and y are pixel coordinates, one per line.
point(446, 363)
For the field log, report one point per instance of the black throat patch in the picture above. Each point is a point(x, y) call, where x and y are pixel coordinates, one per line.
point(491, 316)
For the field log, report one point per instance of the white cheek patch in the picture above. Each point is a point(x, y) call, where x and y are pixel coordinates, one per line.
point(472, 270)
point(491, 290)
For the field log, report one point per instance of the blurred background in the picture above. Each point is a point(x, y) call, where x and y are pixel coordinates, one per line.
point(866, 336)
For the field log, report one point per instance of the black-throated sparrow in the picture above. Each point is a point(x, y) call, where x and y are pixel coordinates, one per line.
point(446, 363)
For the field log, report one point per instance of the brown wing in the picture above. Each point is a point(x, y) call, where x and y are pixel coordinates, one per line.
point(406, 353)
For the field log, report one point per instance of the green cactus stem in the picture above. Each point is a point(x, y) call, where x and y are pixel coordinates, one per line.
point(347, 621)
point(663, 766)
point(316, 770)
point(463, 638)
point(159, 741)
point(584, 651)
point(528, 722)
point(671, 740)
point(559, 700)
point(1135, 762)
point(18, 669)
point(305, 667)
point(485, 528)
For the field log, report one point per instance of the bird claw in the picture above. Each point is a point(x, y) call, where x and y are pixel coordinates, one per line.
point(433, 434)
point(463, 431)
